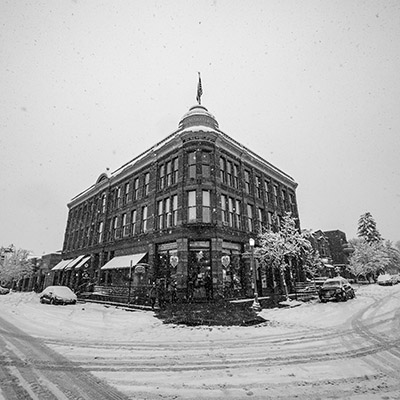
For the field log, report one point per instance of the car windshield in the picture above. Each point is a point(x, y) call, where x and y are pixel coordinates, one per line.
point(332, 283)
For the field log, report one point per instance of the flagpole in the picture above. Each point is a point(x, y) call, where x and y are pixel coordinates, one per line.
point(199, 90)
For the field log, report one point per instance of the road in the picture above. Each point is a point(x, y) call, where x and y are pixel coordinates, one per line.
point(31, 370)
point(357, 359)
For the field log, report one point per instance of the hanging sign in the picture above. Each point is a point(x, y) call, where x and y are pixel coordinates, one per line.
point(225, 260)
point(173, 260)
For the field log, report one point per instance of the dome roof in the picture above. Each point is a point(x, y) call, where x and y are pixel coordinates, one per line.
point(198, 115)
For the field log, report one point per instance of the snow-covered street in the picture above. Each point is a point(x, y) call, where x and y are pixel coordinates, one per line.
point(345, 350)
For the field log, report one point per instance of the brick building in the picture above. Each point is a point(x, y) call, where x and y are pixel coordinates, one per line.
point(173, 213)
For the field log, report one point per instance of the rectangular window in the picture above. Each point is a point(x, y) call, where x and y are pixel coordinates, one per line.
point(235, 176)
point(284, 199)
point(259, 218)
point(161, 174)
point(292, 203)
point(250, 217)
point(206, 206)
point(168, 212)
point(175, 210)
point(133, 221)
point(136, 189)
point(247, 181)
point(125, 226)
point(224, 210)
point(269, 222)
point(146, 183)
point(118, 199)
point(275, 188)
point(115, 227)
point(192, 164)
point(174, 171)
point(229, 173)
point(258, 187)
point(192, 206)
point(205, 164)
point(169, 173)
point(222, 169)
point(160, 211)
point(231, 211)
point(237, 215)
point(266, 191)
point(144, 219)
point(126, 193)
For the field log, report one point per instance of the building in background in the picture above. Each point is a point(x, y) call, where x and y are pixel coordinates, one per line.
point(180, 213)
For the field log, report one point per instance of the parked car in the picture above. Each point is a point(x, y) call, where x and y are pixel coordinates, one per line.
point(386, 279)
point(337, 288)
point(4, 290)
point(58, 295)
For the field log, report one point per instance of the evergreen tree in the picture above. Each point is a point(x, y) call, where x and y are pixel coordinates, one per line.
point(367, 229)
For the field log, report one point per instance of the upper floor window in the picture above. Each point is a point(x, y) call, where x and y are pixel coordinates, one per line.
point(292, 203)
point(258, 187)
point(247, 181)
point(237, 214)
point(161, 175)
point(136, 189)
point(175, 167)
point(146, 183)
point(192, 206)
point(175, 210)
point(231, 210)
point(169, 173)
point(229, 173)
point(205, 164)
point(235, 176)
point(275, 189)
point(266, 191)
point(144, 219)
point(125, 225)
point(224, 209)
point(259, 218)
point(115, 227)
point(206, 207)
point(133, 221)
point(270, 220)
point(160, 214)
point(192, 164)
point(126, 193)
point(222, 169)
point(250, 225)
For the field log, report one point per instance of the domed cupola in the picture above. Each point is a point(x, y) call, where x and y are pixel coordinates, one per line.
point(198, 115)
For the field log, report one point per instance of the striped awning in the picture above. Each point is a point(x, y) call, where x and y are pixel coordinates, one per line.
point(74, 262)
point(61, 265)
point(124, 261)
point(82, 262)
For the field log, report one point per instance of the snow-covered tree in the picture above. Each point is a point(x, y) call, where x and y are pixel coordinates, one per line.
point(367, 229)
point(394, 257)
point(368, 259)
point(15, 266)
point(277, 250)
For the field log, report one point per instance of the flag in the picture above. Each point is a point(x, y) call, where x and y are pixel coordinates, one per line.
point(199, 90)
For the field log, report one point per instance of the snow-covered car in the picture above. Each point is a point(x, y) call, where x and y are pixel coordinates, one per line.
point(4, 290)
point(58, 295)
point(386, 279)
point(337, 288)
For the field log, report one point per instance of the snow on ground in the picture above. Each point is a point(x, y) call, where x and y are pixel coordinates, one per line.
point(138, 354)
point(92, 321)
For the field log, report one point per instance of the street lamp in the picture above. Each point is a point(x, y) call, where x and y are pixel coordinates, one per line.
point(256, 305)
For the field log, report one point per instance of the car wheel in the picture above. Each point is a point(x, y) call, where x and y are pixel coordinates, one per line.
point(344, 297)
point(51, 301)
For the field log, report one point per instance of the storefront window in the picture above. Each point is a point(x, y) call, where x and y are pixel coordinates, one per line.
point(199, 278)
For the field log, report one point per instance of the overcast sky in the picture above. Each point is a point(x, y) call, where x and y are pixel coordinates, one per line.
point(311, 86)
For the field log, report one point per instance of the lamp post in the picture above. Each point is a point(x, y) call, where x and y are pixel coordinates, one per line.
point(256, 305)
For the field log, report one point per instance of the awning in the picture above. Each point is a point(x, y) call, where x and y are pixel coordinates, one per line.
point(73, 263)
point(61, 265)
point(82, 262)
point(123, 261)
